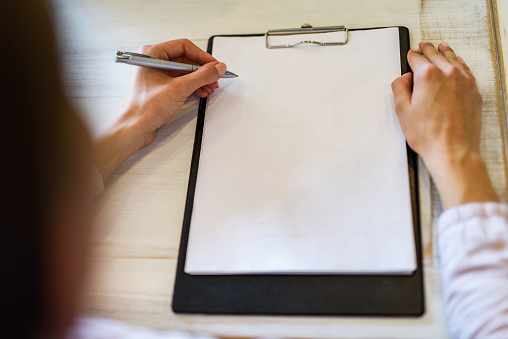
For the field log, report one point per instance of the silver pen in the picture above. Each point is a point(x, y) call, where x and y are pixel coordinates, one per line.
point(149, 61)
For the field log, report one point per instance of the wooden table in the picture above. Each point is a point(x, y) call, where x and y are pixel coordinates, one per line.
point(142, 210)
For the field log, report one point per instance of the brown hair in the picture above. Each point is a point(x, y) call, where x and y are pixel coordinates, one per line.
point(33, 113)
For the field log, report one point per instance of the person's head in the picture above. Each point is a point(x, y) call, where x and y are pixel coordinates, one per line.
point(45, 175)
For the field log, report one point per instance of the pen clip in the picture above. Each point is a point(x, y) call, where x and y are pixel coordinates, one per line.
point(134, 54)
point(125, 56)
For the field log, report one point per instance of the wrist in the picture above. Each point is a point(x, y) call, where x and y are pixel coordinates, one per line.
point(129, 134)
point(115, 145)
point(461, 178)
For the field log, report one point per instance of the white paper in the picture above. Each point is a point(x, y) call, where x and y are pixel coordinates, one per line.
point(303, 165)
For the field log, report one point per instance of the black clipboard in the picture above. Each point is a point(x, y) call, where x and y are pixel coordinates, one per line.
point(311, 295)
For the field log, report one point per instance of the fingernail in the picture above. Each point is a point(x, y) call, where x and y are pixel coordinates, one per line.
point(461, 60)
point(221, 68)
point(425, 42)
point(444, 44)
point(416, 50)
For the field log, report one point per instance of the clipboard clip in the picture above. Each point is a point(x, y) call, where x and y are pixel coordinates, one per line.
point(306, 29)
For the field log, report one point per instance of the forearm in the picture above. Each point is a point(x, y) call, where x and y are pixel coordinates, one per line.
point(473, 246)
point(114, 146)
point(473, 255)
point(461, 178)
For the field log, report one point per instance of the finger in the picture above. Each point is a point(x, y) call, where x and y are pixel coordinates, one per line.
point(449, 54)
point(205, 75)
point(466, 68)
point(208, 88)
point(401, 88)
point(201, 93)
point(186, 61)
point(175, 74)
point(433, 55)
point(416, 60)
point(184, 48)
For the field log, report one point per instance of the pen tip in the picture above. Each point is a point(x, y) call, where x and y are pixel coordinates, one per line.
point(230, 75)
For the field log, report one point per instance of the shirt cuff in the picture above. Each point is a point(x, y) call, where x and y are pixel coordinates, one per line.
point(460, 214)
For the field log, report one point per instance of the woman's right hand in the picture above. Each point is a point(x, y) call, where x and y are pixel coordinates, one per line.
point(439, 109)
point(153, 98)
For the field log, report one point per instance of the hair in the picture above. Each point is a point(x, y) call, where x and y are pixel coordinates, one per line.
point(34, 113)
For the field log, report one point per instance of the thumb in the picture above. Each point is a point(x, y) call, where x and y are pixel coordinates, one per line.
point(401, 88)
point(205, 75)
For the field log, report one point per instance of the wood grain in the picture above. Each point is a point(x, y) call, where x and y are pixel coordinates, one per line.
point(498, 11)
point(142, 208)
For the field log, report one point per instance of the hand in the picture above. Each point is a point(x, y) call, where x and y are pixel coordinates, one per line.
point(441, 119)
point(153, 98)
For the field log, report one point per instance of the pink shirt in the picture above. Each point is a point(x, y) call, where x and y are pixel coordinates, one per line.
point(473, 251)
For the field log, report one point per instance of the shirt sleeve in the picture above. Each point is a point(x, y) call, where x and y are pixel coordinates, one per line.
point(473, 255)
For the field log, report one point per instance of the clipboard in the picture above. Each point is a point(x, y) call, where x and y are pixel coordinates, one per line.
point(304, 295)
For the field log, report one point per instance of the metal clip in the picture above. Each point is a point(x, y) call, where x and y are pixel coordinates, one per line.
point(306, 29)
point(125, 56)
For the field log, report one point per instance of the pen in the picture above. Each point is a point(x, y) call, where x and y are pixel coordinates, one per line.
point(149, 61)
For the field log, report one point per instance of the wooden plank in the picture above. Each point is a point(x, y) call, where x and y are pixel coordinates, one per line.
point(499, 24)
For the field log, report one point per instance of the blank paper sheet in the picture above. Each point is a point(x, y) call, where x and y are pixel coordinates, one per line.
point(303, 165)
